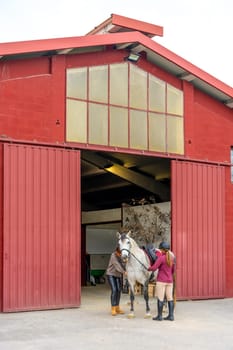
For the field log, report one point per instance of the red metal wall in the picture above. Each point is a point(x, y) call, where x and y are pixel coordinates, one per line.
point(208, 136)
point(41, 228)
point(198, 229)
point(1, 223)
point(32, 99)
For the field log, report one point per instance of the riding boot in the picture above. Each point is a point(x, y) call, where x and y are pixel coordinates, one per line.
point(170, 316)
point(119, 310)
point(159, 317)
point(113, 310)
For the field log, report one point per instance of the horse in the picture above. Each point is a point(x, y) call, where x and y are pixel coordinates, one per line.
point(136, 263)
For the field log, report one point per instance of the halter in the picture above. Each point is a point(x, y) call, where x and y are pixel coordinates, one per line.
point(130, 253)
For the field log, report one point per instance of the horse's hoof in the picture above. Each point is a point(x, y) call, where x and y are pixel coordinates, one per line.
point(148, 315)
point(131, 315)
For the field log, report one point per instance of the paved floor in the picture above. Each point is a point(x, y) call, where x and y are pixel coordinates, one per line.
point(201, 325)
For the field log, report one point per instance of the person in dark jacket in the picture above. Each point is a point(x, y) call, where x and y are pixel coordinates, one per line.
point(114, 273)
point(165, 264)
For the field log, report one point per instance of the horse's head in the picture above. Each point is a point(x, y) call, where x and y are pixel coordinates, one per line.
point(124, 244)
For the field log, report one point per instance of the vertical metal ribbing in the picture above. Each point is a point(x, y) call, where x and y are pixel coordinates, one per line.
point(198, 229)
point(41, 228)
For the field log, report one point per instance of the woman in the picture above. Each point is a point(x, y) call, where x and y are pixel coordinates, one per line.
point(114, 273)
point(164, 283)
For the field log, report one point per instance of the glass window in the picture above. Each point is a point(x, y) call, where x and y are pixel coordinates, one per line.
point(76, 83)
point(174, 100)
point(76, 121)
point(175, 135)
point(98, 124)
point(138, 88)
point(121, 105)
point(157, 132)
point(98, 84)
point(157, 95)
point(119, 84)
point(118, 127)
point(138, 129)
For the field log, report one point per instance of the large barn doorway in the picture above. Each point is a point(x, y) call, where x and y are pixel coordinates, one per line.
point(119, 188)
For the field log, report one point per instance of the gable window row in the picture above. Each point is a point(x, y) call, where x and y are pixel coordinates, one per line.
point(123, 106)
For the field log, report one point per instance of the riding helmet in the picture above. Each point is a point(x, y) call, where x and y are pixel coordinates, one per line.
point(164, 245)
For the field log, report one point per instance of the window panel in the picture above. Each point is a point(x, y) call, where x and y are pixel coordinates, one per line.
point(98, 124)
point(157, 132)
point(138, 88)
point(175, 135)
point(109, 124)
point(157, 89)
point(76, 83)
point(76, 121)
point(118, 127)
point(138, 129)
point(174, 100)
point(98, 83)
point(119, 84)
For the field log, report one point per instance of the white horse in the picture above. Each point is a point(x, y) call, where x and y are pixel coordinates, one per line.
point(137, 263)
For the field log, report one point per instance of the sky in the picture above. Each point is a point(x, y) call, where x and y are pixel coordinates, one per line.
point(199, 31)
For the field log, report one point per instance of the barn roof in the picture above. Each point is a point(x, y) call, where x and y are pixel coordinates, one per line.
point(124, 33)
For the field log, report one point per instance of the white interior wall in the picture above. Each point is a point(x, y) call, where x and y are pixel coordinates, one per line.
point(100, 243)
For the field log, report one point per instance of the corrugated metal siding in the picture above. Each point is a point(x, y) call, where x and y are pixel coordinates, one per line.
point(41, 228)
point(1, 223)
point(198, 229)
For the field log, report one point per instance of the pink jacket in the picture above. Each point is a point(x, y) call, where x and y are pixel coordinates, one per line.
point(165, 272)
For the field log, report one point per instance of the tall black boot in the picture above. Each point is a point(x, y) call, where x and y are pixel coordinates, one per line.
point(160, 311)
point(170, 316)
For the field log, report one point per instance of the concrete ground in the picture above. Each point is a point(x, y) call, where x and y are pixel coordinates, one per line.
point(198, 325)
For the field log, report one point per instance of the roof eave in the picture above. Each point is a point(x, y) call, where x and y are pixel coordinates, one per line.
point(120, 40)
point(117, 23)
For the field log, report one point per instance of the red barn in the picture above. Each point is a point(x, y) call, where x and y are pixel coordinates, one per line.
point(87, 123)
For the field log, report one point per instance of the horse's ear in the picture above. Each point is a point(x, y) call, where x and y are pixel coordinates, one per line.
point(118, 235)
point(129, 233)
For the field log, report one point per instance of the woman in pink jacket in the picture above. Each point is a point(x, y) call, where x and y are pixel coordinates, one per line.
point(165, 264)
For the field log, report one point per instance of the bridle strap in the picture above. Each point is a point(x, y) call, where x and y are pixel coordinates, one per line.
point(130, 253)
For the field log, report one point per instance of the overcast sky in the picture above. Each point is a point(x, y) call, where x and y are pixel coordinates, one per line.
point(200, 31)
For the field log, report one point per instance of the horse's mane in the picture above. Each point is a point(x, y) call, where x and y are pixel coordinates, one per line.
point(133, 243)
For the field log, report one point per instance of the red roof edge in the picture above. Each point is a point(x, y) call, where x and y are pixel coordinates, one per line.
point(117, 23)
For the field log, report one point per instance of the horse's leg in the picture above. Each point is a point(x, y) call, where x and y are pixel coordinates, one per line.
point(146, 297)
point(131, 314)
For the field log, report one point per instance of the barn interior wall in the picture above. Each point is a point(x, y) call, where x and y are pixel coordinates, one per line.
point(100, 243)
point(149, 223)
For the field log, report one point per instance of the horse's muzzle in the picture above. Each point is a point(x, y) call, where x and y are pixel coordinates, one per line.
point(124, 259)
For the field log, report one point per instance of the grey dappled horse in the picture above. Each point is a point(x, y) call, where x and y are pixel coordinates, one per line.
point(137, 263)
